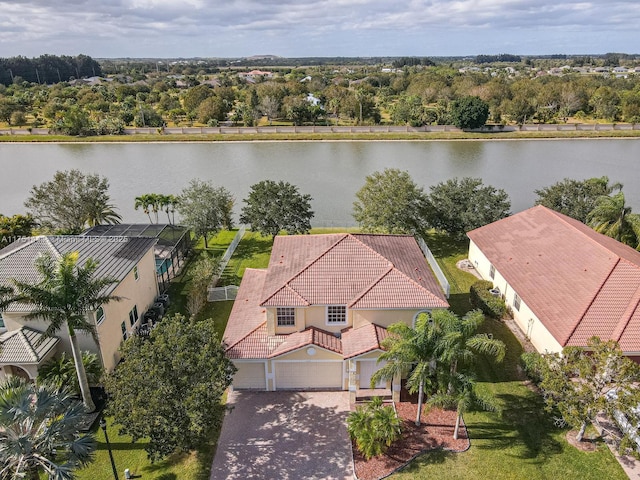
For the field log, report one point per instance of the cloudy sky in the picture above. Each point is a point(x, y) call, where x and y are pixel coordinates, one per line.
point(303, 28)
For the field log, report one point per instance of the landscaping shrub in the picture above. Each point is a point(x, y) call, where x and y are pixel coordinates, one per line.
point(374, 427)
point(481, 297)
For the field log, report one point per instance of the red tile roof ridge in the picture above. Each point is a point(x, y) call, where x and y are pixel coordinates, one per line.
point(376, 330)
point(626, 316)
point(400, 272)
point(565, 340)
point(313, 339)
point(245, 336)
point(368, 288)
point(306, 267)
point(576, 224)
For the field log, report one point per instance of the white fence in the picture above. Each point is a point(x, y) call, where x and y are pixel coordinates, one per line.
point(220, 294)
point(288, 129)
point(224, 261)
point(444, 283)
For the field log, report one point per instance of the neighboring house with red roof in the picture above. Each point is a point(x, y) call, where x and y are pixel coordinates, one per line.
point(316, 317)
point(564, 282)
point(128, 260)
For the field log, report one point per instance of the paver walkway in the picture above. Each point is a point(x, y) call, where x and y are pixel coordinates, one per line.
point(284, 436)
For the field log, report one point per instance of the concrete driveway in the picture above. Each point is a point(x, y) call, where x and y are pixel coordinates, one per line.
point(285, 436)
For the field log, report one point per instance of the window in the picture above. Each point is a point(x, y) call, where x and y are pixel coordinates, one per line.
point(133, 315)
point(135, 273)
point(516, 301)
point(492, 272)
point(336, 314)
point(123, 327)
point(286, 316)
point(99, 315)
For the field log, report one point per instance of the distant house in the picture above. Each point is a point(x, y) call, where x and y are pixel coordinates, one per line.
point(130, 261)
point(254, 74)
point(564, 282)
point(316, 317)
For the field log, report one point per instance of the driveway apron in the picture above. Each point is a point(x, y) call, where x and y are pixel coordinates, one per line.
point(285, 436)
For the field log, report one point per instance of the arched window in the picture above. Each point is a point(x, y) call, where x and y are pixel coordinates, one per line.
point(99, 315)
point(417, 315)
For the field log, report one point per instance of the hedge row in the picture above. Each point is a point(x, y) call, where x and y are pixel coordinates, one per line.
point(482, 298)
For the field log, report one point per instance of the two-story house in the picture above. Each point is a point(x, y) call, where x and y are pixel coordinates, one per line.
point(316, 317)
point(130, 261)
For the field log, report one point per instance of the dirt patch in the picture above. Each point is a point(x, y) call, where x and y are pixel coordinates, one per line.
point(435, 432)
point(586, 445)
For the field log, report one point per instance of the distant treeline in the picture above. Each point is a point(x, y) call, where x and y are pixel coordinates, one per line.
point(503, 57)
point(412, 62)
point(47, 69)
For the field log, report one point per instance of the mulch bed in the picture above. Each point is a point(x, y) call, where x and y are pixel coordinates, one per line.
point(435, 432)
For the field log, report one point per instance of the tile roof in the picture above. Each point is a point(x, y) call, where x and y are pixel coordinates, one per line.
point(363, 340)
point(578, 282)
point(116, 256)
point(309, 336)
point(357, 270)
point(24, 346)
point(360, 271)
point(246, 314)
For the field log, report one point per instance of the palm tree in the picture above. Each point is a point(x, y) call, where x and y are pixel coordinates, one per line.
point(39, 432)
point(102, 214)
point(409, 350)
point(462, 396)
point(64, 295)
point(374, 427)
point(62, 371)
point(144, 202)
point(614, 219)
point(168, 203)
point(458, 342)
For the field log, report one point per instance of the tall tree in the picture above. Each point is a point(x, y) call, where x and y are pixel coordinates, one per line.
point(575, 198)
point(272, 207)
point(12, 228)
point(390, 202)
point(40, 432)
point(64, 295)
point(168, 389)
point(70, 201)
point(582, 382)
point(614, 219)
point(205, 209)
point(469, 112)
point(458, 206)
point(409, 351)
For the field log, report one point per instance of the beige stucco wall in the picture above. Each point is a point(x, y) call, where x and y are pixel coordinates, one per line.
point(525, 318)
point(316, 316)
point(384, 318)
point(141, 293)
point(302, 354)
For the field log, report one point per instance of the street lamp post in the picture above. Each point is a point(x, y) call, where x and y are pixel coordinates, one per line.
point(103, 425)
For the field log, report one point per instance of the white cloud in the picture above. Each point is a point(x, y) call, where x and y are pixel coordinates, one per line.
point(324, 27)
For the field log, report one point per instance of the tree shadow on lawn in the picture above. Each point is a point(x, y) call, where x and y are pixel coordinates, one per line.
point(522, 426)
point(434, 457)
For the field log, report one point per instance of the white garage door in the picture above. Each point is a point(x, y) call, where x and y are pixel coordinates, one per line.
point(249, 376)
point(367, 369)
point(304, 375)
